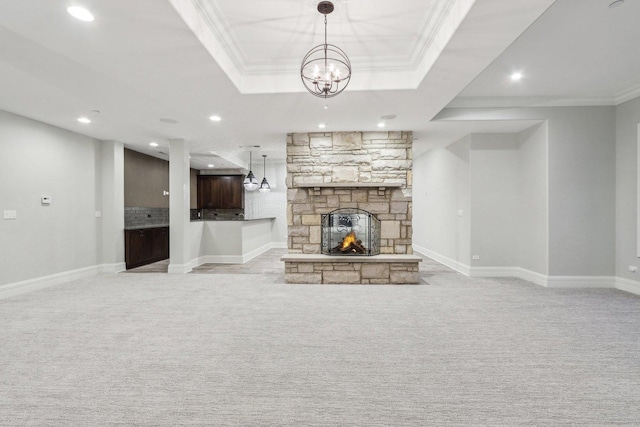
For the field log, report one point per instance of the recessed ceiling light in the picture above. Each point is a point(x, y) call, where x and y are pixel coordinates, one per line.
point(322, 125)
point(80, 13)
point(153, 144)
point(381, 124)
point(516, 77)
point(616, 3)
point(210, 166)
point(215, 118)
point(84, 120)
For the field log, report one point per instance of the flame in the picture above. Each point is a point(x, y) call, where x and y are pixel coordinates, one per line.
point(349, 239)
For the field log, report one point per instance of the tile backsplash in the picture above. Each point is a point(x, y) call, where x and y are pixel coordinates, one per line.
point(139, 216)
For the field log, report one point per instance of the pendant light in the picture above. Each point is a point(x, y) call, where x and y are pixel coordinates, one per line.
point(250, 182)
point(264, 187)
point(325, 69)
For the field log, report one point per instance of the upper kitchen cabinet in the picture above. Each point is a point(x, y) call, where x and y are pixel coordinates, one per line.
point(220, 192)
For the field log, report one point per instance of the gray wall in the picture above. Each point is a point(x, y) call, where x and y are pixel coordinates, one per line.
point(441, 190)
point(533, 200)
point(494, 199)
point(145, 179)
point(627, 120)
point(37, 160)
point(581, 174)
point(582, 191)
point(498, 182)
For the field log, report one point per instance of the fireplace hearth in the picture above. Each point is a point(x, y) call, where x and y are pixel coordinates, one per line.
point(350, 232)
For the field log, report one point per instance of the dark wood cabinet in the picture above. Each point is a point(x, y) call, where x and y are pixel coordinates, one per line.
point(145, 246)
point(220, 192)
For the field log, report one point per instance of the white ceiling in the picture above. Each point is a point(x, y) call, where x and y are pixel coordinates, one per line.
point(578, 53)
point(144, 61)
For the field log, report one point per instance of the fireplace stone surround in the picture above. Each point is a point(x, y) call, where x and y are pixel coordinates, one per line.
point(357, 170)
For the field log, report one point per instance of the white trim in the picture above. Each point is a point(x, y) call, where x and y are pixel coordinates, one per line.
point(25, 286)
point(179, 268)
point(451, 263)
point(112, 268)
point(570, 282)
point(254, 253)
point(518, 272)
point(528, 101)
point(628, 94)
point(627, 285)
point(494, 272)
point(236, 259)
point(581, 282)
point(532, 276)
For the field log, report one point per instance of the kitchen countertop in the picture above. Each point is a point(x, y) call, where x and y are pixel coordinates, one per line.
point(144, 227)
point(231, 219)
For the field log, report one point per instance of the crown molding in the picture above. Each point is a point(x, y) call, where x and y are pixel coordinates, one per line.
point(529, 101)
point(627, 95)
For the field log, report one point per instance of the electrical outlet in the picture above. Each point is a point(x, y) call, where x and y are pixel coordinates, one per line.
point(633, 269)
point(10, 215)
point(475, 257)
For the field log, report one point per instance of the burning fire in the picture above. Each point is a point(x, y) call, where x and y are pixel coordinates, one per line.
point(349, 239)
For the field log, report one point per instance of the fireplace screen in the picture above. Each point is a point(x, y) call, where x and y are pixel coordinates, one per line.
point(350, 232)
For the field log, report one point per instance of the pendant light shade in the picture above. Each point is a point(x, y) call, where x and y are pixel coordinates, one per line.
point(264, 187)
point(250, 182)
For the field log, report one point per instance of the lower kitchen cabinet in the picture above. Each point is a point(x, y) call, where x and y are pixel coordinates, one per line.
point(145, 246)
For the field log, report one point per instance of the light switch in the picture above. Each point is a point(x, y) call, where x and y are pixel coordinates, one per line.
point(10, 215)
point(46, 200)
point(460, 212)
point(98, 214)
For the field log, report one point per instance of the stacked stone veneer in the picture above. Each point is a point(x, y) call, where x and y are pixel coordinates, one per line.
point(317, 161)
point(349, 158)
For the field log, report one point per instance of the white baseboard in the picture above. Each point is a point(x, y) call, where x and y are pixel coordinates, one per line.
point(451, 263)
point(25, 286)
point(570, 282)
point(112, 268)
point(494, 272)
point(179, 268)
point(532, 276)
point(581, 282)
point(628, 285)
point(237, 259)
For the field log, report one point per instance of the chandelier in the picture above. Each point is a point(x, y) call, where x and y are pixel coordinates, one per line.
point(326, 69)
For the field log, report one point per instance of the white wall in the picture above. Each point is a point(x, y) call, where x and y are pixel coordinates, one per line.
point(581, 161)
point(533, 200)
point(627, 120)
point(441, 178)
point(273, 203)
point(494, 199)
point(582, 191)
point(499, 181)
point(37, 160)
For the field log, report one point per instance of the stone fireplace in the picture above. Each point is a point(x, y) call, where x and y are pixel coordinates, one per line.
point(349, 172)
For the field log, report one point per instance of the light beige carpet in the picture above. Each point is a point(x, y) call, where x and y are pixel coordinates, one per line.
point(245, 349)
